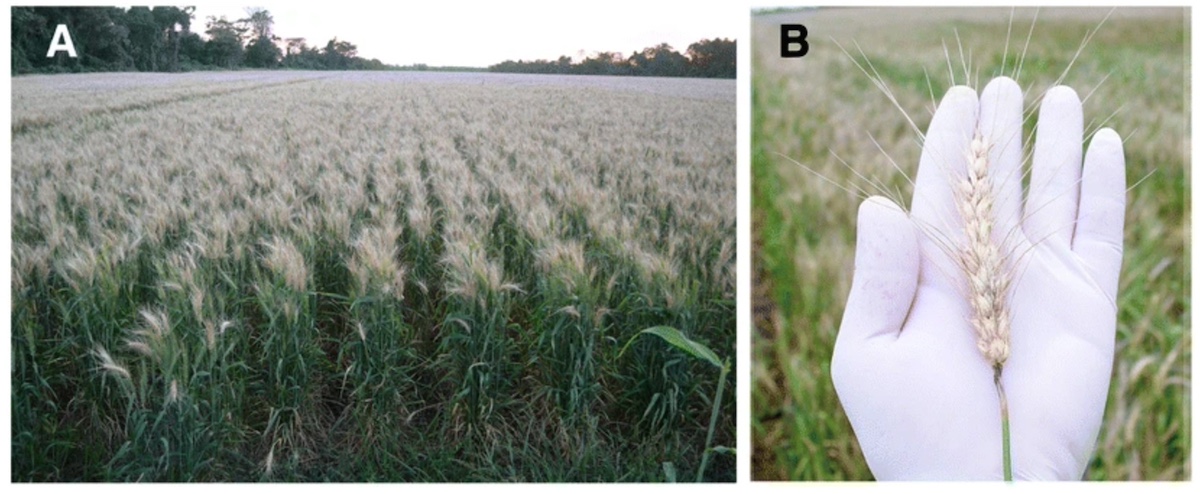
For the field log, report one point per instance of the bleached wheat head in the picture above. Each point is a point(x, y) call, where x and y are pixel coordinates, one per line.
point(982, 258)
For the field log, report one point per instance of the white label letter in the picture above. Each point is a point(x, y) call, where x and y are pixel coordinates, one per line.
point(61, 42)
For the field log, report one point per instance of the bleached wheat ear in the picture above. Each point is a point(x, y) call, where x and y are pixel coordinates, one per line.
point(983, 261)
point(982, 258)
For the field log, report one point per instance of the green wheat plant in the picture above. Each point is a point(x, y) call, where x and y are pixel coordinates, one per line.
point(701, 352)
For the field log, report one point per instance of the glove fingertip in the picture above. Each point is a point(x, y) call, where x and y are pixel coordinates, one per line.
point(1099, 232)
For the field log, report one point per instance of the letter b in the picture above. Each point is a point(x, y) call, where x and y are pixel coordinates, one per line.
point(786, 40)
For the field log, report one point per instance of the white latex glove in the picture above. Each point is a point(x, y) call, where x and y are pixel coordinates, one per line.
point(906, 368)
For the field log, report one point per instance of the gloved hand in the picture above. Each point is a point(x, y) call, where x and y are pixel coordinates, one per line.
point(917, 390)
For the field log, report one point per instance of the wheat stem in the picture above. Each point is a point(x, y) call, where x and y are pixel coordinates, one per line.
point(1005, 433)
point(712, 422)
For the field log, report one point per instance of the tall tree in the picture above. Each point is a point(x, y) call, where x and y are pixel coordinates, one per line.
point(177, 23)
point(262, 53)
point(191, 51)
point(225, 41)
point(664, 61)
point(261, 22)
point(339, 54)
point(144, 39)
point(713, 58)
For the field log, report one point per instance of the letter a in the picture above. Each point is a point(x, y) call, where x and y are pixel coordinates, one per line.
point(61, 42)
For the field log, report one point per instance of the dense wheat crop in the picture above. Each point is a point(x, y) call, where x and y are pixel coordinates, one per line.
point(820, 110)
point(367, 276)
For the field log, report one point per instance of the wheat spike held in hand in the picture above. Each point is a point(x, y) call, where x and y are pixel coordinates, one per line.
point(982, 258)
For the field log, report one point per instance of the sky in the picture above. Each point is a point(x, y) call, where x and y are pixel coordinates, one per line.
point(478, 34)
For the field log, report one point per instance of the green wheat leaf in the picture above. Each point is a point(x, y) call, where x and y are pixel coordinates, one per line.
point(678, 340)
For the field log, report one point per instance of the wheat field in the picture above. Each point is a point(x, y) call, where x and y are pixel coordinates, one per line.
point(822, 111)
point(382, 276)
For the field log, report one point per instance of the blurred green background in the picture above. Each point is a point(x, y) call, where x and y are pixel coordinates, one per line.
point(1135, 77)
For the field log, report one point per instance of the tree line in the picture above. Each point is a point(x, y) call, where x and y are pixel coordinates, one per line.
point(164, 39)
point(715, 58)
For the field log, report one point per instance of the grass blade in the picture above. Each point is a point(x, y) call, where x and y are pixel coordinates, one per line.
point(678, 340)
